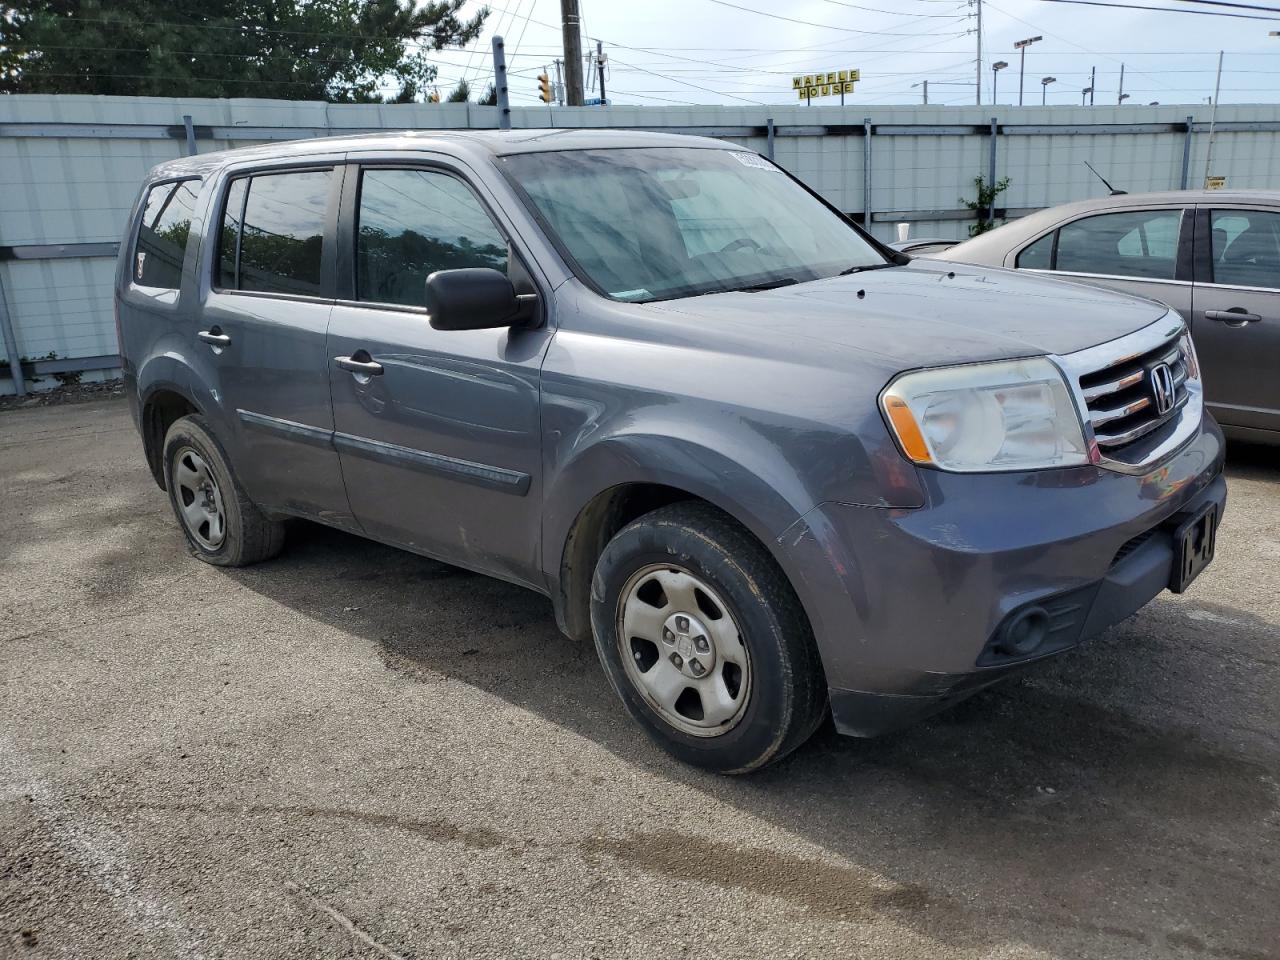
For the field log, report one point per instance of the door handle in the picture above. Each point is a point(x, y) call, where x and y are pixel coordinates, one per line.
point(369, 368)
point(214, 337)
point(1235, 317)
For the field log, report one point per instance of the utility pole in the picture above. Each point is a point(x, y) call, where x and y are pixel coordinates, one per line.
point(1093, 83)
point(978, 63)
point(500, 84)
point(600, 68)
point(572, 27)
point(1122, 96)
point(1021, 46)
point(1213, 117)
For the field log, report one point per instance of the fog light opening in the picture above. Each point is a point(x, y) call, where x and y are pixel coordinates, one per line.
point(1025, 632)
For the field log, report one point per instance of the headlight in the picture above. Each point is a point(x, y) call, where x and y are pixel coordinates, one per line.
point(1189, 358)
point(1010, 415)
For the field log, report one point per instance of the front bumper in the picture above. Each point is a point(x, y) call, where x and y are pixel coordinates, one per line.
point(906, 605)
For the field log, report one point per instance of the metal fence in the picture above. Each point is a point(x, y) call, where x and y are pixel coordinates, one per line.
point(70, 167)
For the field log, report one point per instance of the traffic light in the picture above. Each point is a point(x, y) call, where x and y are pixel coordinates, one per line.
point(544, 88)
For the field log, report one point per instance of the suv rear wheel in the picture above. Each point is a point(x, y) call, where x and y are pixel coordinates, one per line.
point(704, 640)
point(221, 524)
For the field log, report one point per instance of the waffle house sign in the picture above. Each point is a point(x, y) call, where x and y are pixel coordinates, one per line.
point(836, 83)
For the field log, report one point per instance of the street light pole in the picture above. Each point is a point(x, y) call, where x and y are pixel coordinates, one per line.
point(1044, 88)
point(1021, 46)
point(925, 84)
point(995, 72)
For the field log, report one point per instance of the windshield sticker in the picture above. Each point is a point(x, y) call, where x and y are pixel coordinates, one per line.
point(639, 294)
point(754, 160)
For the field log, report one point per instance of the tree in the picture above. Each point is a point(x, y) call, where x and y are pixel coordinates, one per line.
point(342, 51)
point(461, 93)
point(985, 205)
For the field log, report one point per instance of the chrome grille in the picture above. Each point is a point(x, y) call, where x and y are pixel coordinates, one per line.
point(1121, 398)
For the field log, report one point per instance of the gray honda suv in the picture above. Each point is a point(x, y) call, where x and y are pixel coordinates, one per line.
point(776, 470)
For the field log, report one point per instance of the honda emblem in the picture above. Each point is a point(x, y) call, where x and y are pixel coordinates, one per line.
point(1163, 390)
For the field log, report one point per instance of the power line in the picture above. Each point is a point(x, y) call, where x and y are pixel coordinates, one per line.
point(1136, 6)
point(810, 23)
point(253, 30)
point(891, 13)
point(1242, 6)
point(696, 86)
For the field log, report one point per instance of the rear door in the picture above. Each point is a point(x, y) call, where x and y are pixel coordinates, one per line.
point(1145, 251)
point(263, 329)
point(441, 446)
point(1236, 315)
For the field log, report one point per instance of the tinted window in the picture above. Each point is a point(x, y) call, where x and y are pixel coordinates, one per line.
point(414, 222)
point(653, 224)
point(282, 237)
point(230, 234)
point(1141, 243)
point(1246, 248)
point(162, 235)
point(1038, 256)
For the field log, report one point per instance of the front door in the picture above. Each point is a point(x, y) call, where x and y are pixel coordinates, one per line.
point(1236, 317)
point(1146, 252)
point(263, 326)
point(437, 431)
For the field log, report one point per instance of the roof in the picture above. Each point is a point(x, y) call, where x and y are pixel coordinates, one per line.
point(462, 142)
point(994, 245)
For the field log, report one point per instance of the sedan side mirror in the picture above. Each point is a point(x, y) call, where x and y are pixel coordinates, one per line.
point(476, 298)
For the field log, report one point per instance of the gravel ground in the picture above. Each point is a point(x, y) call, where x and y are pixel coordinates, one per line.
point(354, 752)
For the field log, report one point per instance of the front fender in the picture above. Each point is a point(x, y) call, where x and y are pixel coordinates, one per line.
point(766, 495)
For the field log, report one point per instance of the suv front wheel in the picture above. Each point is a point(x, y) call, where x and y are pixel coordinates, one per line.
point(222, 525)
point(704, 640)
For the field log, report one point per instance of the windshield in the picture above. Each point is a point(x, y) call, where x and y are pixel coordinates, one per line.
point(652, 224)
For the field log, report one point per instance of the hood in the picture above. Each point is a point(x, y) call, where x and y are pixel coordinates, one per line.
point(926, 314)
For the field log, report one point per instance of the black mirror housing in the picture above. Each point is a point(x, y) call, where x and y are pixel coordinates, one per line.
point(476, 298)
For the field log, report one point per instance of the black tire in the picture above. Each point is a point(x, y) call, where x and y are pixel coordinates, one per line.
point(786, 700)
point(247, 535)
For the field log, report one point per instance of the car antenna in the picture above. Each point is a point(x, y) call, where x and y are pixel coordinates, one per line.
point(1114, 191)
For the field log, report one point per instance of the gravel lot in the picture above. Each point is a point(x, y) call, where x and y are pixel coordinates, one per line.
point(354, 752)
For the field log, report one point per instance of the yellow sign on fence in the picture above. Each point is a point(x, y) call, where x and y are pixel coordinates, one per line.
point(824, 84)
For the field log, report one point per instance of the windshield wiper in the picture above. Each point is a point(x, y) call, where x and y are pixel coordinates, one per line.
point(766, 285)
point(859, 268)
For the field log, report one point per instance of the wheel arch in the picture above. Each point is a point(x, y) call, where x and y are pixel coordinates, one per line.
point(622, 478)
point(164, 404)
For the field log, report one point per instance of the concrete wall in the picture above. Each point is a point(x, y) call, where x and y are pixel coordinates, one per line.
point(70, 167)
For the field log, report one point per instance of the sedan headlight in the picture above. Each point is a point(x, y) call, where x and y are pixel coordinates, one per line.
point(1009, 415)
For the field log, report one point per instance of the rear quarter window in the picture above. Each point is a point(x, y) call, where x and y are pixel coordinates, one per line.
point(163, 230)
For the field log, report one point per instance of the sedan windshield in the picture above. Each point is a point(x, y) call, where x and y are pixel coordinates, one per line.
point(653, 224)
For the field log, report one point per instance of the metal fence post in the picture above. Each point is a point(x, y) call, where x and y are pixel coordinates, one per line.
point(500, 84)
point(11, 345)
point(769, 124)
point(191, 134)
point(1186, 152)
point(866, 174)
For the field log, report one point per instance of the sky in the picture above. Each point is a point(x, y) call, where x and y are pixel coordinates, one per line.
point(746, 51)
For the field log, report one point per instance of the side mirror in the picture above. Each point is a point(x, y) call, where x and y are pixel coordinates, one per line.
point(476, 298)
